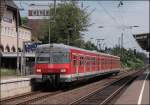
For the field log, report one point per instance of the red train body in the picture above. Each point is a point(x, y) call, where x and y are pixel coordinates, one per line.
point(62, 63)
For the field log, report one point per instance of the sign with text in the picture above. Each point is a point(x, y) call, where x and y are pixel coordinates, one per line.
point(30, 47)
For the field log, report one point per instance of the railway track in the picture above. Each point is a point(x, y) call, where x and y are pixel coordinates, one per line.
point(105, 95)
point(38, 96)
point(27, 98)
point(69, 97)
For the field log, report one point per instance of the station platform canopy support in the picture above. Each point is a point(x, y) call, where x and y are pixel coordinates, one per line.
point(143, 40)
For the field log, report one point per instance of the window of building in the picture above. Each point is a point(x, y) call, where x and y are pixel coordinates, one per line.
point(37, 13)
point(44, 12)
point(7, 49)
point(1, 48)
point(47, 13)
point(8, 31)
point(19, 49)
point(13, 49)
point(12, 33)
point(34, 13)
point(41, 12)
point(5, 30)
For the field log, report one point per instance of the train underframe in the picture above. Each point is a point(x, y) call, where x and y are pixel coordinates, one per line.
point(54, 79)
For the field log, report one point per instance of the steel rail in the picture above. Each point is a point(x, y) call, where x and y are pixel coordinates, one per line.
point(18, 96)
point(25, 98)
point(116, 92)
point(26, 102)
point(82, 99)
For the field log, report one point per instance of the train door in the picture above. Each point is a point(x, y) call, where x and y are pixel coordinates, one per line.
point(103, 63)
point(90, 62)
point(85, 64)
point(110, 63)
point(99, 63)
point(75, 65)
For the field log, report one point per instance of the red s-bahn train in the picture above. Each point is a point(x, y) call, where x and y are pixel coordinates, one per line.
point(59, 63)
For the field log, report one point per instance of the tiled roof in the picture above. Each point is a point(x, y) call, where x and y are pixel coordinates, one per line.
point(11, 4)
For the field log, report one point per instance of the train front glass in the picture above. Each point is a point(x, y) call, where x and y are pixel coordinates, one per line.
point(52, 56)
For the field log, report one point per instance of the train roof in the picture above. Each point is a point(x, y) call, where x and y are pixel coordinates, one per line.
point(66, 47)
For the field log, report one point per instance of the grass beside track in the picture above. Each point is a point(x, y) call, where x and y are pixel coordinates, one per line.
point(7, 72)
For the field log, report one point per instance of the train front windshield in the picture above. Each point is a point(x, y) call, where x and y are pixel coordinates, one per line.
point(52, 57)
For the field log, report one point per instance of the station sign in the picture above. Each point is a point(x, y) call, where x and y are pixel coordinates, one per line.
point(30, 46)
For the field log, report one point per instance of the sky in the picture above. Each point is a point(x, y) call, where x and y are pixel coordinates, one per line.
point(112, 18)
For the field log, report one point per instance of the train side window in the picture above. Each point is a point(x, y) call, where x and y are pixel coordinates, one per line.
point(85, 60)
point(88, 61)
point(74, 60)
point(81, 60)
point(97, 62)
point(94, 61)
point(102, 61)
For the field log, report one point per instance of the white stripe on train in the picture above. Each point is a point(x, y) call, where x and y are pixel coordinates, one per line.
point(87, 73)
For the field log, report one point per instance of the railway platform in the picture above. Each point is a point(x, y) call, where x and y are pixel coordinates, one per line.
point(10, 78)
point(15, 85)
point(138, 92)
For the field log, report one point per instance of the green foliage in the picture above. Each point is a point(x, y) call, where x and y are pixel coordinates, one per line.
point(90, 46)
point(129, 58)
point(24, 20)
point(7, 72)
point(67, 24)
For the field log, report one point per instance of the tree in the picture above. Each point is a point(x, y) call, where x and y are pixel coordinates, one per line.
point(90, 46)
point(66, 25)
point(24, 20)
point(129, 57)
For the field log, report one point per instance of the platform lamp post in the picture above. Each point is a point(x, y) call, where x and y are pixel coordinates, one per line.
point(17, 30)
point(99, 40)
point(91, 42)
point(17, 42)
point(104, 46)
point(122, 39)
point(99, 43)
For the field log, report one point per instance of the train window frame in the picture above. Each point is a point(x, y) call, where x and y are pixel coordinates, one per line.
point(85, 60)
point(75, 60)
point(88, 61)
point(81, 60)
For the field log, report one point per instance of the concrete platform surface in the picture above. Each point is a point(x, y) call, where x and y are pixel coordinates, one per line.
point(138, 93)
point(11, 86)
point(9, 78)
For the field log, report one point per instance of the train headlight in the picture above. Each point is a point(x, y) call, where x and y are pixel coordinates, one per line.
point(63, 70)
point(38, 70)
